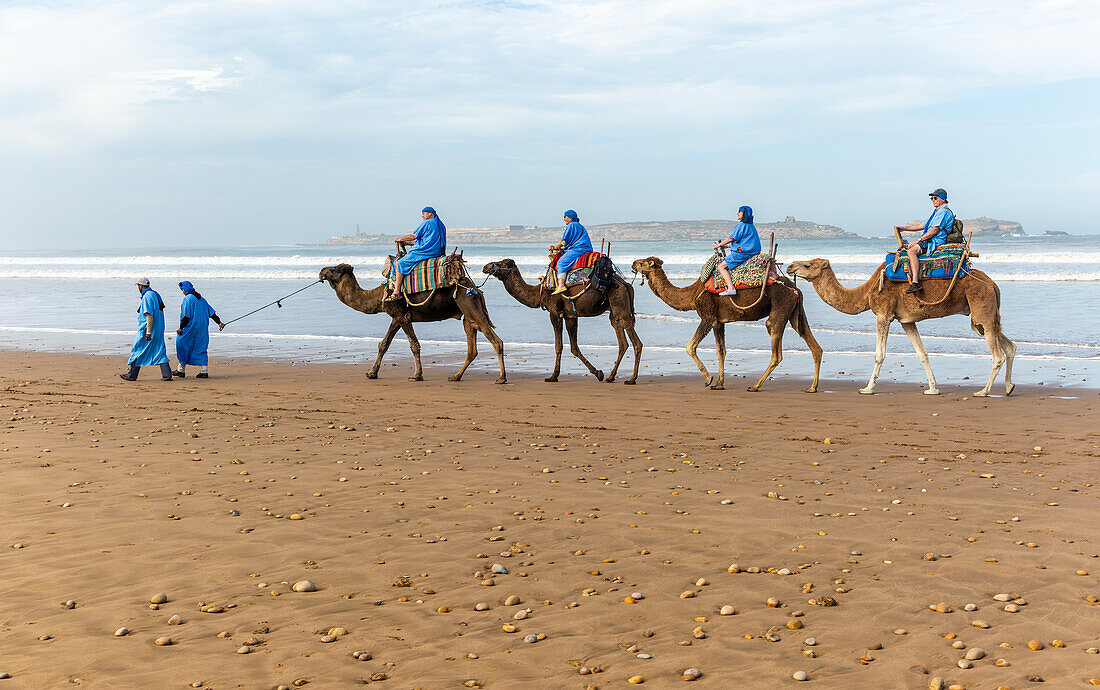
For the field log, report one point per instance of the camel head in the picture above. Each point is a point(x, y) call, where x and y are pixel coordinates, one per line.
point(333, 274)
point(810, 270)
point(644, 266)
point(498, 269)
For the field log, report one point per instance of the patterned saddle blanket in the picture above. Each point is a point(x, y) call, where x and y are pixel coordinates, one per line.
point(938, 265)
point(581, 271)
point(753, 273)
point(429, 274)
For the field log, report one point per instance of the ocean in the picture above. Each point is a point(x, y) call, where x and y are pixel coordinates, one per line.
point(85, 301)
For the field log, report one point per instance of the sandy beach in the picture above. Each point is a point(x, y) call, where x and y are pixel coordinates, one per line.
point(767, 534)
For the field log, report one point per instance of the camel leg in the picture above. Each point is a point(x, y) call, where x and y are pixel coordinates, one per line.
point(476, 318)
point(922, 354)
point(693, 345)
point(775, 331)
point(720, 349)
point(883, 331)
point(555, 322)
point(471, 349)
point(1009, 348)
point(636, 342)
point(383, 345)
point(575, 349)
point(802, 328)
point(993, 340)
point(620, 335)
point(414, 345)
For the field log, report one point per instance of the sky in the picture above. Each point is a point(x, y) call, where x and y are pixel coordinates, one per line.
point(182, 124)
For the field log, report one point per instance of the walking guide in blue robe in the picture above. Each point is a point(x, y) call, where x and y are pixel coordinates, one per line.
point(193, 336)
point(148, 348)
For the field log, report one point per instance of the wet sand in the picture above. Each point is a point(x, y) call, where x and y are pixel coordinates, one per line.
point(398, 500)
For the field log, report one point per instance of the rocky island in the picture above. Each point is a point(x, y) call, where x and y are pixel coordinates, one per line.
point(678, 230)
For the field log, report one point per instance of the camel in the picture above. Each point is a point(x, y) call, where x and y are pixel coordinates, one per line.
point(974, 294)
point(446, 303)
point(576, 302)
point(782, 302)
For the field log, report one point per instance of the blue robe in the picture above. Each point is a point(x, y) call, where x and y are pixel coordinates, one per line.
point(151, 352)
point(431, 241)
point(192, 343)
point(746, 244)
point(575, 243)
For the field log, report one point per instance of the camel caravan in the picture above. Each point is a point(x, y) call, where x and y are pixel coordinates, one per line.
point(925, 279)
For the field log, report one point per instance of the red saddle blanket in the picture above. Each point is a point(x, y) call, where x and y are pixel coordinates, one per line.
point(585, 261)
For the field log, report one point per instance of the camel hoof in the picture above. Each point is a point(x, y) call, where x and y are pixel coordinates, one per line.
point(629, 382)
point(599, 375)
point(866, 391)
point(981, 394)
point(1009, 387)
point(552, 379)
point(610, 379)
point(454, 377)
point(753, 389)
point(416, 378)
point(372, 374)
point(718, 387)
point(502, 379)
point(707, 381)
point(811, 389)
point(932, 391)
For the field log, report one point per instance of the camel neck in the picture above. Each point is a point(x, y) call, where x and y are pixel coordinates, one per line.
point(679, 298)
point(366, 301)
point(526, 294)
point(849, 301)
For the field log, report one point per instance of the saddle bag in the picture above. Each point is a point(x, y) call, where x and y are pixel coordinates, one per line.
point(603, 274)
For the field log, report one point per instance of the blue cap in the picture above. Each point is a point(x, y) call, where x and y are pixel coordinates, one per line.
point(571, 214)
point(941, 193)
point(186, 285)
point(427, 209)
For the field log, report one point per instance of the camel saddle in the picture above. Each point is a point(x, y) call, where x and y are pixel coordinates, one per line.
point(755, 272)
point(580, 272)
point(442, 271)
point(941, 264)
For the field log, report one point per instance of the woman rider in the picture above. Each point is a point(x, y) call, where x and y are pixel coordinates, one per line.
point(429, 240)
point(745, 243)
point(574, 244)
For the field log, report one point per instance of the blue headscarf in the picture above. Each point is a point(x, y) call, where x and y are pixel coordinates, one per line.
point(572, 214)
point(747, 210)
point(429, 209)
point(186, 285)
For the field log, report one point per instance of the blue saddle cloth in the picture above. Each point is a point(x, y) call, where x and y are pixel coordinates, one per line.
point(941, 263)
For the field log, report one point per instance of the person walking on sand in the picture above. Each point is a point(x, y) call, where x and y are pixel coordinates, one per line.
point(148, 348)
point(935, 232)
point(193, 335)
point(574, 244)
point(745, 243)
point(429, 240)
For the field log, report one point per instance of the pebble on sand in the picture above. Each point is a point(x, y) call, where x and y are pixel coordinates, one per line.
point(163, 641)
point(175, 620)
point(635, 680)
point(801, 675)
point(691, 674)
point(122, 632)
point(304, 586)
point(975, 653)
point(1034, 645)
point(512, 601)
point(727, 610)
point(159, 598)
point(244, 649)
